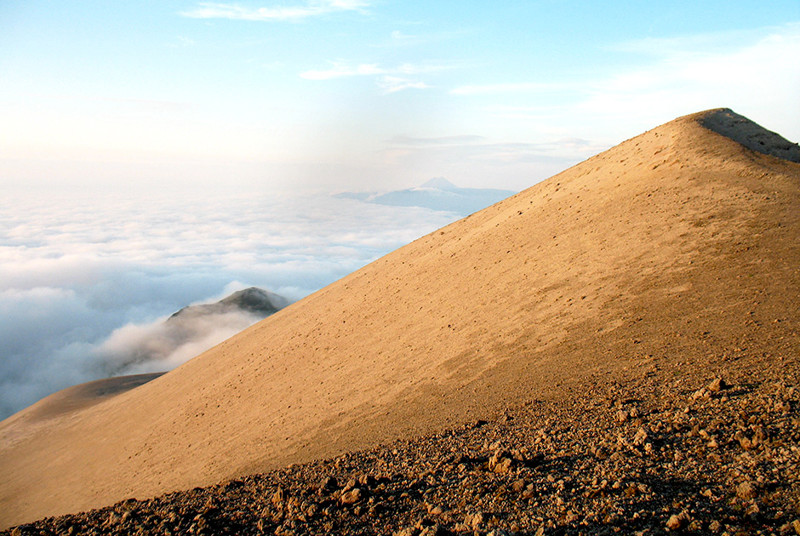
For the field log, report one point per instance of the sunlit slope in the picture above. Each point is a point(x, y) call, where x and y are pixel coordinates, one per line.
point(674, 248)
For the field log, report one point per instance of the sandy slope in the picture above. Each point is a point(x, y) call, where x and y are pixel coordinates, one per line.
point(666, 247)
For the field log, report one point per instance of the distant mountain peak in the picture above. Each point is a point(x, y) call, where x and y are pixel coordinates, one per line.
point(436, 194)
point(256, 300)
point(439, 183)
point(251, 300)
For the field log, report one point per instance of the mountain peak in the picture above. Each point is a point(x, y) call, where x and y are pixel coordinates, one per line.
point(251, 300)
point(256, 300)
point(439, 183)
point(670, 258)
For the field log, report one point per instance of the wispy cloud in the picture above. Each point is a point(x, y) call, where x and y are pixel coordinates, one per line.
point(340, 69)
point(393, 84)
point(167, 342)
point(388, 79)
point(674, 76)
point(313, 8)
point(399, 38)
point(464, 139)
point(749, 76)
point(397, 35)
point(476, 148)
point(510, 87)
point(715, 42)
point(183, 42)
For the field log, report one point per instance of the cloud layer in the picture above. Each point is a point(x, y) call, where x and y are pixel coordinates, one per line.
point(164, 344)
point(76, 268)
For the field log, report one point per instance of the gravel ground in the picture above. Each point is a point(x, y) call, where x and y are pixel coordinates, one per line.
point(652, 455)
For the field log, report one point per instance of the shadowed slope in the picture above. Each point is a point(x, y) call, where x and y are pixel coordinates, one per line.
point(754, 137)
point(669, 249)
point(80, 397)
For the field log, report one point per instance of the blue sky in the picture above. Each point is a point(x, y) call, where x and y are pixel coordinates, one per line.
point(369, 94)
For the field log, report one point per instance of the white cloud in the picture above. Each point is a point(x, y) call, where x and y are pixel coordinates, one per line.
point(708, 42)
point(746, 71)
point(436, 142)
point(393, 84)
point(74, 271)
point(400, 36)
point(478, 148)
point(754, 78)
point(211, 10)
point(510, 87)
point(389, 80)
point(341, 70)
point(185, 41)
point(413, 68)
point(164, 344)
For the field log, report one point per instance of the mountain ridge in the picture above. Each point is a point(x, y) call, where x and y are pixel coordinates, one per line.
point(656, 252)
point(435, 194)
point(728, 123)
point(167, 343)
point(249, 300)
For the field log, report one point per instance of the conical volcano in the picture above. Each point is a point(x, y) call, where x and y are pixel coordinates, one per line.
point(668, 253)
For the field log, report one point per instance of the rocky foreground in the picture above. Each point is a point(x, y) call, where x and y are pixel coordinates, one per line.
point(713, 451)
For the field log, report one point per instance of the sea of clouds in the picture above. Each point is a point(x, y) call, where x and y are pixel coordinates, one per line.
point(87, 280)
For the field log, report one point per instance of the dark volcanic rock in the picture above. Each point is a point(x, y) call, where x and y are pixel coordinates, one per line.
point(252, 300)
point(753, 136)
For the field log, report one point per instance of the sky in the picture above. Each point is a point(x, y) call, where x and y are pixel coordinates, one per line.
point(155, 154)
point(369, 94)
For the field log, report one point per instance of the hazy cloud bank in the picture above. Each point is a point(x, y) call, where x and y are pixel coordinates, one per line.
point(76, 268)
point(163, 345)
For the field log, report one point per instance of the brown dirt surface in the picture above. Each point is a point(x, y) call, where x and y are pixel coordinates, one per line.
point(634, 456)
point(580, 318)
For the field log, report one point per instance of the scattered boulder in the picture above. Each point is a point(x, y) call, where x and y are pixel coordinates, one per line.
point(640, 438)
point(352, 496)
point(278, 497)
point(591, 475)
point(328, 484)
point(746, 491)
point(678, 521)
point(500, 462)
point(716, 385)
